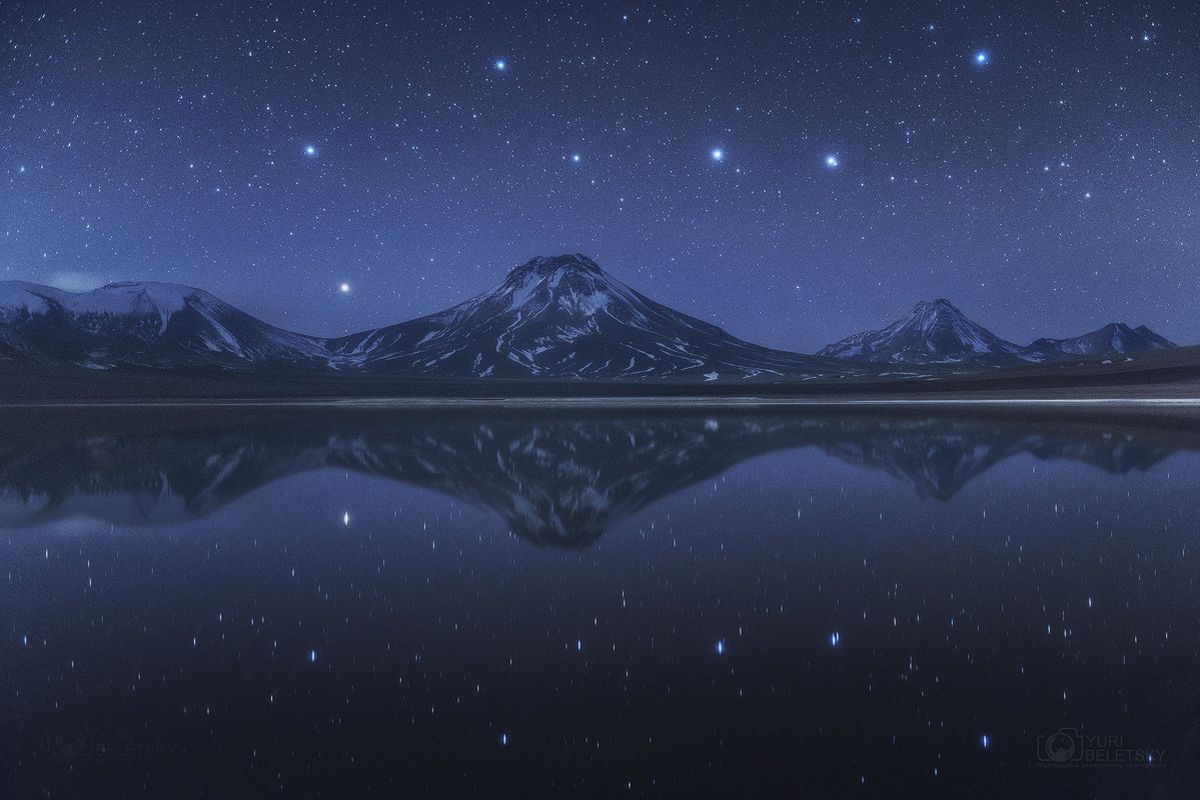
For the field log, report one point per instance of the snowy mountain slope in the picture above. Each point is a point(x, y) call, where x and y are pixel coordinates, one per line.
point(932, 333)
point(565, 318)
point(1114, 340)
point(142, 324)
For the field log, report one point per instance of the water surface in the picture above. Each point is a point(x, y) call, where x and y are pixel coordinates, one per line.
point(286, 603)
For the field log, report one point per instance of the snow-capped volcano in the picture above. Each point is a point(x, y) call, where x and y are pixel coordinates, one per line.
point(932, 333)
point(565, 318)
point(1116, 339)
point(145, 324)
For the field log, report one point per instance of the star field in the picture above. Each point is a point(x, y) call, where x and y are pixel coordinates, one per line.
point(792, 172)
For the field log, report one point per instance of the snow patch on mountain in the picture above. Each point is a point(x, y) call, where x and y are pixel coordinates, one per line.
point(18, 298)
point(131, 299)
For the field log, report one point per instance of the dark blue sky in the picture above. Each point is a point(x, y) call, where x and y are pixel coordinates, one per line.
point(792, 171)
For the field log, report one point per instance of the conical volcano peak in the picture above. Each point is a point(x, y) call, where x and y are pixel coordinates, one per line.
point(546, 266)
point(939, 306)
point(934, 332)
point(563, 317)
point(570, 283)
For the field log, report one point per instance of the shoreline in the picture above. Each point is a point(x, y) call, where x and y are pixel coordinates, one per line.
point(633, 402)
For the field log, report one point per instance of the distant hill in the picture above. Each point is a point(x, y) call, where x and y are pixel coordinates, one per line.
point(1114, 340)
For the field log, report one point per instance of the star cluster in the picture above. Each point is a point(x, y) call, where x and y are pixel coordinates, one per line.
point(794, 173)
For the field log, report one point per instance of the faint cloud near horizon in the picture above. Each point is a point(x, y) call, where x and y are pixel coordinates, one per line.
point(74, 281)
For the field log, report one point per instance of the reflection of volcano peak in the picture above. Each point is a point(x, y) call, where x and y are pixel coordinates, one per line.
point(556, 481)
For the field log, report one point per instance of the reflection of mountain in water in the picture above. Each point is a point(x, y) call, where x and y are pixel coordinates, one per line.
point(940, 457)
point(555, 481)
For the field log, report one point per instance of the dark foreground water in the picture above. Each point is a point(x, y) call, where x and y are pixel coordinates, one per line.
point(285, 604)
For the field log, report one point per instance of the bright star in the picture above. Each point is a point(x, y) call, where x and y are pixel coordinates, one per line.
point(344, 288)
point(721, 647)
point(982, 57)
point(501, 65)
point(576, 158)
point(832, 161)
point(310, 150)
point(717, 154)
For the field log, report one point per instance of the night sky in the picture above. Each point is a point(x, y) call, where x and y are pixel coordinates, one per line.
point(794, 172)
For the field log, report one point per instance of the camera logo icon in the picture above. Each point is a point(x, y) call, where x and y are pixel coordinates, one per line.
point(1059, 747)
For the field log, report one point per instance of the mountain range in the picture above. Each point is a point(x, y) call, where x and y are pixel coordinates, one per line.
point(551, 319)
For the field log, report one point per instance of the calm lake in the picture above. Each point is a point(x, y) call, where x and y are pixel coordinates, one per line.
point(279, 603)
